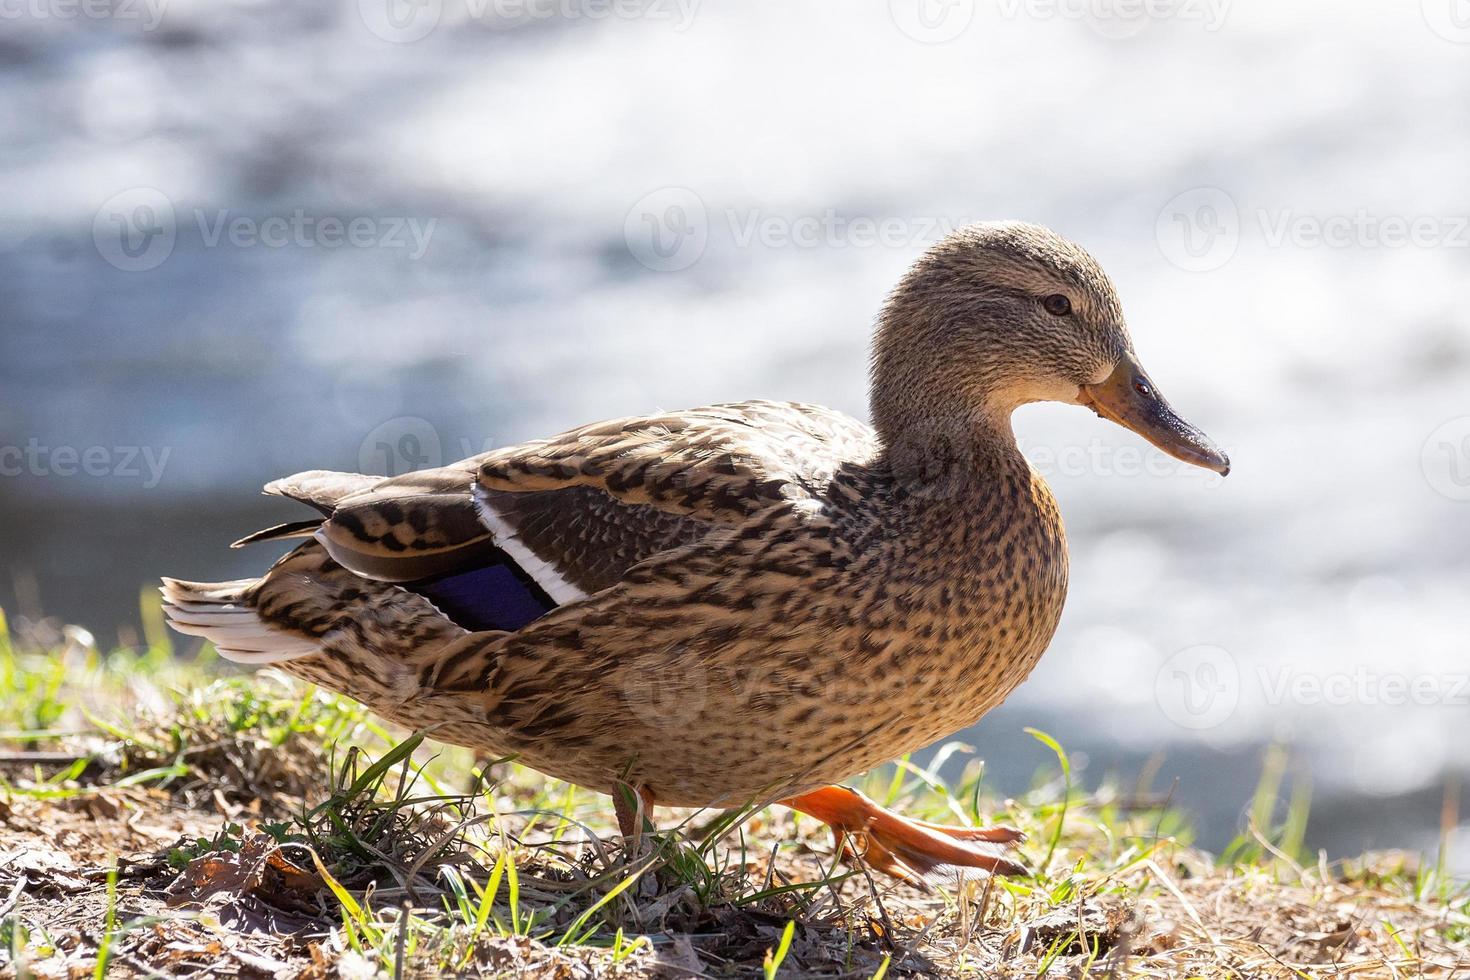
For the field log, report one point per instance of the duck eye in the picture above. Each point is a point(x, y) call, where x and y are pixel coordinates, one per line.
point(1057, 305)
point(1143, 389)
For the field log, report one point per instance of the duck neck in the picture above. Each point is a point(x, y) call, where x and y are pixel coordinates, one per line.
point(932, 410)
point(953, 455)
point(939, 430)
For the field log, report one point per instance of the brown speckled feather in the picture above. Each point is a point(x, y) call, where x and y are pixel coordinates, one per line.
point(720, 464)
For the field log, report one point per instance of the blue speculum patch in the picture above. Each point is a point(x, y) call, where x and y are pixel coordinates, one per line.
point(497, 596)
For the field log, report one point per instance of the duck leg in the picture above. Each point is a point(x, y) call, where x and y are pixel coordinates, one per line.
point(631, 806)
point(902, 847)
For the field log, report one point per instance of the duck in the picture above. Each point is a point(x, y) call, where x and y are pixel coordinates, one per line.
point(739, 604)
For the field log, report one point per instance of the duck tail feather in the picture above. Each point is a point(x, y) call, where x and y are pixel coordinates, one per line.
point(282, 532)
point(221, 613)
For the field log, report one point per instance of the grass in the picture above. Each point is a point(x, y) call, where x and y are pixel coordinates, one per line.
point(168, 816)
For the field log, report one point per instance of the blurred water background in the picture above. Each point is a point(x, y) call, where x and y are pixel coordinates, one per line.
point(241, 239)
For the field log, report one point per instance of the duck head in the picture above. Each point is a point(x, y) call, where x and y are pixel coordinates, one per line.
point(1005, 313)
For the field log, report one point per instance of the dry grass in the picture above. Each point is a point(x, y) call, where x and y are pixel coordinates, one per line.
point(159, 819)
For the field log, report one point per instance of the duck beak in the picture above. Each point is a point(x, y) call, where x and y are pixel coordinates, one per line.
point(1128, 397)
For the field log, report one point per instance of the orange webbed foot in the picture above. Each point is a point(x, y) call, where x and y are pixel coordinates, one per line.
point(902, 847)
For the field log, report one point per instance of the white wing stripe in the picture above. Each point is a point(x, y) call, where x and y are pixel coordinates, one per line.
point(542, 572)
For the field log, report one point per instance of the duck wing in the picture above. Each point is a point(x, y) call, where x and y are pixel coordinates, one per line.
point(717, 465)
point(497, 540)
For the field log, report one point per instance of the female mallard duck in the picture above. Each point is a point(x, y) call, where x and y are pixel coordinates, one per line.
point(738, 603)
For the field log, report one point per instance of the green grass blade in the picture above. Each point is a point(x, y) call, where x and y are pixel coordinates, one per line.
point(773, 961)
point(1066, 764)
